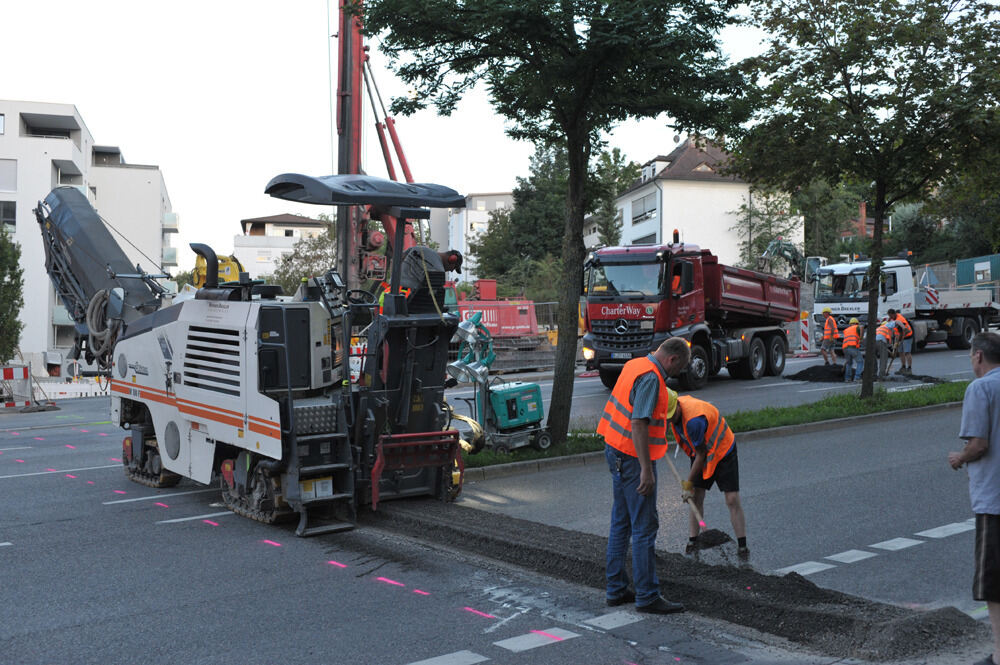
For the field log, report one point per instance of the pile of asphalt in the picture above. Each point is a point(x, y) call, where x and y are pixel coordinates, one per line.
point(791, 606)
point(835, 373)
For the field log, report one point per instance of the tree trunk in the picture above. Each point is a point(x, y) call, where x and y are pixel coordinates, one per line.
point(570, 289)
point(874, 293)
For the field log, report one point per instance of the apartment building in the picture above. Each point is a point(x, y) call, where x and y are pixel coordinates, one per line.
point(468, 223)
point(266, 239)
point(43, 146)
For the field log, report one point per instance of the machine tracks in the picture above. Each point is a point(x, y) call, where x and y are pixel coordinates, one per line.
point(158, 481)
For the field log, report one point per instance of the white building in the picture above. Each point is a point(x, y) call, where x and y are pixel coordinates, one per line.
point(266, 239)
point(43, 146)
point(470, 222)
point(686, 191)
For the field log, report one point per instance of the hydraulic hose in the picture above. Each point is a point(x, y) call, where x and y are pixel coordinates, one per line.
point(102, 335)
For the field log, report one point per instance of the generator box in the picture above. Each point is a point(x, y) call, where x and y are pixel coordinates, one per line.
point(516, 404)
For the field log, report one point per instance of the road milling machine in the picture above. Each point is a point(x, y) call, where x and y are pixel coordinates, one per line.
point(244, 384)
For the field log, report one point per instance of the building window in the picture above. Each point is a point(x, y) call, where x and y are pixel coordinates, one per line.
point(1, 123)
point(8, 175)
point(289, 233)
point(8, 214)
point(501, 204)
point(480, 204)
point(644, 208)
point(645, 240)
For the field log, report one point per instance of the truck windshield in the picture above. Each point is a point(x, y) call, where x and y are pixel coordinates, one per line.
point(839, 288)
point(625, 279)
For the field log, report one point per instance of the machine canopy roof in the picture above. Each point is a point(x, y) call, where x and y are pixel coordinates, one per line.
point(355, 189)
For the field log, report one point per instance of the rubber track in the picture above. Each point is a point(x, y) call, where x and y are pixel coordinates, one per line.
point(165, 479)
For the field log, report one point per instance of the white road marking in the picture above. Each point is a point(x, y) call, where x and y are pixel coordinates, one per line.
point(896, 544)
point(850, 556)
point(158, 496)
point(457, 658)
point(777, 384)
point(49, 473)
point(947, 530)
point(6, 544)
point(15, 448)
point(195, 517)
point(614, 620)
point(805, 568)
point(535, 639)
point(831, 387)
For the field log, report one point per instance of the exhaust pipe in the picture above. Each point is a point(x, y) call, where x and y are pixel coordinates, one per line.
point(211, 264)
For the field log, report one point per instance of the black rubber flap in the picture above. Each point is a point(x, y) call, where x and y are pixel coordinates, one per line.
point(354, 189)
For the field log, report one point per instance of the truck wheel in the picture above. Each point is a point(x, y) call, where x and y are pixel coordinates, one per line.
point(963, 340)
point(752, 367)
point(775, 355)
point(609, 377)
point(696, 375)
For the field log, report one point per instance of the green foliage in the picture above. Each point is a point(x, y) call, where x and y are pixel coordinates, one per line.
point(310, 257)
point(764, 216)
point(534, 279)
point(613, 175)
point(826, 210)
point(11, 295)
point(183, 277)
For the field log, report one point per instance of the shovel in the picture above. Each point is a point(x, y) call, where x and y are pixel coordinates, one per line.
point(710, 537)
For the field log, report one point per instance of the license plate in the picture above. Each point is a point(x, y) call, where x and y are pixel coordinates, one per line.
point(621, 354)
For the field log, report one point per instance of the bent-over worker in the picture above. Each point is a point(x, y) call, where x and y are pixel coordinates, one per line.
point(906, 343)
point(885, 339)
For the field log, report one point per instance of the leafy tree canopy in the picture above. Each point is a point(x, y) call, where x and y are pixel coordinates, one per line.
point(826, 210)
point(310, 257)
point(764, 216)
point(11, 295)
point(613, 176)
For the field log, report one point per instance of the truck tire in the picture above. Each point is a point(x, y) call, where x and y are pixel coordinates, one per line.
point(752, 367)
point(696, 375)
point(609, 377)
point(968, 330)
point(775, 355)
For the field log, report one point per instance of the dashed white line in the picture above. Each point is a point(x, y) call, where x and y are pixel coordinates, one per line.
point(614, 620)
point(850, 556)
point(831, 387)
point(158, 496)
point(457, 658)
point(805, 568)
point(15, 448)
point(49, 473)
point(6, 544)
point(535, 639)
point(195, 517)
point(896, 544)
point(947, 530)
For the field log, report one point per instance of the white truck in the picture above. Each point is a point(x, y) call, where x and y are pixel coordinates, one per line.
point(951, 315)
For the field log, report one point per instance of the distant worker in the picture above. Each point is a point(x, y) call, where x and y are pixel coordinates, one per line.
point(885, 341)
point(981, 455)
point(830, 336)
point(906, 341)
point(634, 427)
point(854, 360)
point(703, 434)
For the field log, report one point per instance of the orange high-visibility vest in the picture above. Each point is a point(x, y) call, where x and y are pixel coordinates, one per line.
point(907, 329)
point(852, 337)
point(830, 329)
point(718, 437)
point(616, 422)
point(886, 332)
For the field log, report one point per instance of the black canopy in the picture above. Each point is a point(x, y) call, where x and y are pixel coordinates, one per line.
point(355, 189)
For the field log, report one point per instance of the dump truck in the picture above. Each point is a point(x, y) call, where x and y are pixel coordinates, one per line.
point(637, 296)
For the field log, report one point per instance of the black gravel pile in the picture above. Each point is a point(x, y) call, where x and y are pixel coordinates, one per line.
point(835, 374)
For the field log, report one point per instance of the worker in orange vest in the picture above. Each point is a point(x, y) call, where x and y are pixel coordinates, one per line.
point(634, 427)
point(906, 343)
point(830, 335)
point(854, 361)
point(886, 336)
point(703, 434)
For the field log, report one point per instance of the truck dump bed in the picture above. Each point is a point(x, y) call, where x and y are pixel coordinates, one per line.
point(736, 294)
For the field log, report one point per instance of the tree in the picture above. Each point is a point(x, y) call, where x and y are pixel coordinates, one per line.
point(11, 295)
point(894, 94)
point(563, 72)
point(309, 257)
point(614, 175)
point(183, 278)
point(764, 216)
point(826, 210)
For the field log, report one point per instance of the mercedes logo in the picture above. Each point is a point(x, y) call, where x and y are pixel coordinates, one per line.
point(621, 326)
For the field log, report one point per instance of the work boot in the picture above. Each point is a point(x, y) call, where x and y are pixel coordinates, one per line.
point(628, 596)
point(743, 552)
point(692, 547)
point(660, 606)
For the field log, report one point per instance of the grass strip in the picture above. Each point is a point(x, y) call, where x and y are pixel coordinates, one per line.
point(828, 408)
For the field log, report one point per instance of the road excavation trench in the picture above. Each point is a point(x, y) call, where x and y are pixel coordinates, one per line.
point(790, 606)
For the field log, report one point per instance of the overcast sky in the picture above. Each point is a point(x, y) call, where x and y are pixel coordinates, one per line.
point(222, 95)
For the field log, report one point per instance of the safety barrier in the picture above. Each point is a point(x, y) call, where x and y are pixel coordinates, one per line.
point(15, 386)
point(804, 327)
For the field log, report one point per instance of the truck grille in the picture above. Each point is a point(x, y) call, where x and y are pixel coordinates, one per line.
point(633, 339)
point(212, 360)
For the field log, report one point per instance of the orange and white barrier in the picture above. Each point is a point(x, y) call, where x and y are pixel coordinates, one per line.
point(804, 327)
point(15, 386)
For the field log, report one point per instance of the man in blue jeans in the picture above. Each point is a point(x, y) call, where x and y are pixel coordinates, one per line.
point(634, 427)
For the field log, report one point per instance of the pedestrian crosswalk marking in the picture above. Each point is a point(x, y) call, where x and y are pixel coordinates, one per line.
point(850, 556)
point(947, 530)
point(896, 544)
point(457, 658)
point(534, 639)
point(614, 620)
point(805, 568)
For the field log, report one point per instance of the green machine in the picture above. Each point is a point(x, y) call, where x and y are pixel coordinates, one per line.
point(510, 413)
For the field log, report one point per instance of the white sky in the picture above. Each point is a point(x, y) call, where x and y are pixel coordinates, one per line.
point(223, 95)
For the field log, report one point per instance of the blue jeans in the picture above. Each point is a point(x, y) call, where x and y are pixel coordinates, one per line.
point(632, 515)
point(853, 356)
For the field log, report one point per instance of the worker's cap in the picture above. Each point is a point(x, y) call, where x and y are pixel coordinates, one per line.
point(827, 310)
point(671, 403)
point(853, 320)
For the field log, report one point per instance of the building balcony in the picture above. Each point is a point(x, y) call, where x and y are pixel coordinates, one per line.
point(170, 257)
point(169, 222)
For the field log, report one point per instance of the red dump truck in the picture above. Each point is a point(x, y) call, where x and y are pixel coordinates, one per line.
point(637, 296)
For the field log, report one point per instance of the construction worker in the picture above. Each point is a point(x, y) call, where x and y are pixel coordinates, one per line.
point(703, 434)
point(634, 427)
point(854, 361)
point(906, 341)
point(885, 341)
point(830, 335)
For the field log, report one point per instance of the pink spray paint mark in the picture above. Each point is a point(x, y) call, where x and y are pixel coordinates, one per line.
point(162, 505)
point(50, 469)
point(337, 564)
point(19, 461)
point(119, 492)
point(71, 447)
point(70, 475)
point(102, 434)
point(271, 543)
point(39, 438)
point(548, 635)
point(15, 433)
point(702, 524)
point(422, 593)
point(388, 581)
point(85, 430)
point(210, 522)
point(90, 482)
point(115, 459)
point(478, 613)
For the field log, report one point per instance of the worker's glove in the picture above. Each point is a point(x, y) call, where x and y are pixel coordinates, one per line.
point(687, 490)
